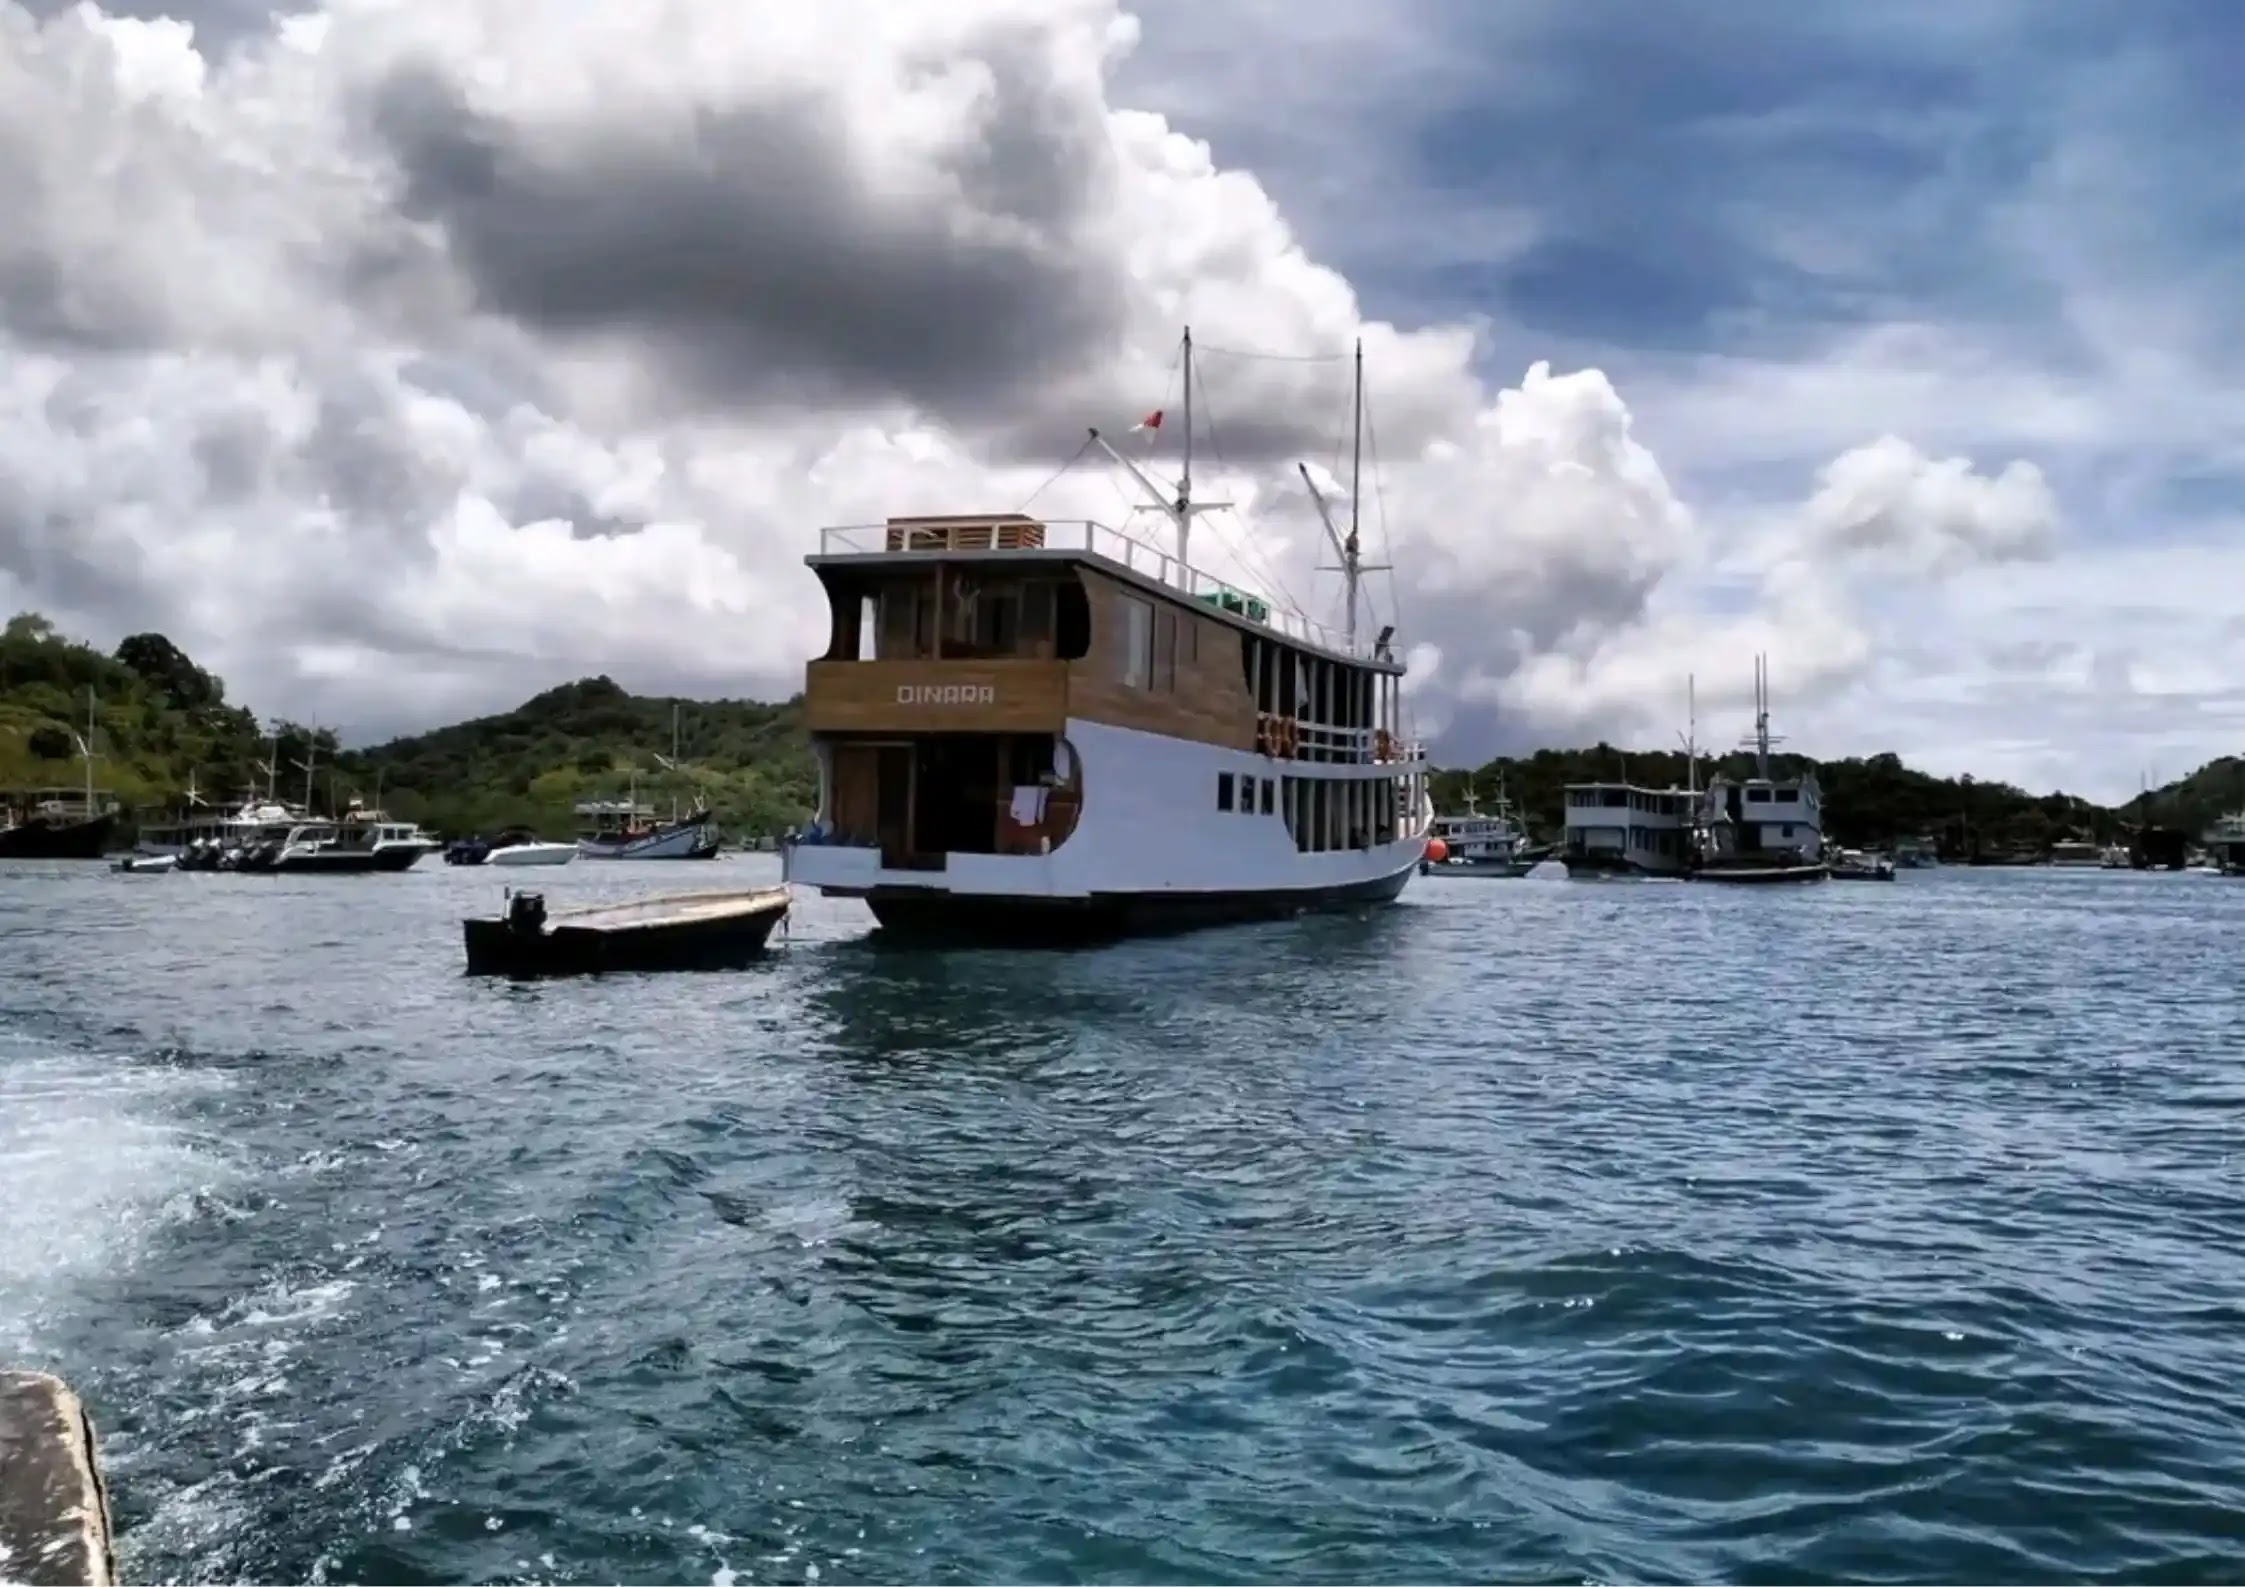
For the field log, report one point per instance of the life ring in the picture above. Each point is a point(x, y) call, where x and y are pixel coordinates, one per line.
point(1263, 733)
point(1383, 746)
point(1289, 737)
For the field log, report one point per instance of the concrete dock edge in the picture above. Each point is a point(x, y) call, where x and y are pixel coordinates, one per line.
point(54, 1512)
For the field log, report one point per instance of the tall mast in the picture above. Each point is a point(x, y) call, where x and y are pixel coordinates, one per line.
point(1761, 716)
point(1356, 465)
point(89, 748)
point(1349, 548)
point(1352, 565)
point(1179, 507)
point(1185, 475)
point(311, 758)
point(1691, 737)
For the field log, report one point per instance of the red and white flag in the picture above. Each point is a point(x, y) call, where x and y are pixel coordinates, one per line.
point(1152, 421)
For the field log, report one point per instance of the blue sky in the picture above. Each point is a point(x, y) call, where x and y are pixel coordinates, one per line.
point(1651, 187)
point(2001, 230)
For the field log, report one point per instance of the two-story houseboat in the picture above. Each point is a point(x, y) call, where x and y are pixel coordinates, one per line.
point(1767, 827)
point(1621, 829)
point(1036, 728)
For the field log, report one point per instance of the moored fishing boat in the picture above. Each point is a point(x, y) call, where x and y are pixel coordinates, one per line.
point(60, 823)
point(1036, 729)
point(1473, 844)
point(625, 829)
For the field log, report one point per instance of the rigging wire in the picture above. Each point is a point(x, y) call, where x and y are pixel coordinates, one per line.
point(1055, 475)
point(1272, 358)
point(1244, 551)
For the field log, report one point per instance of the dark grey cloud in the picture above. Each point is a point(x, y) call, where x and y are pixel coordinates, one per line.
point(764, 268)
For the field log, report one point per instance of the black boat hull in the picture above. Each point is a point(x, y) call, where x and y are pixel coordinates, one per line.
point(379, 861)
point(1762, 875)
point(721, 942)
point(39, 839)
point(926, 915)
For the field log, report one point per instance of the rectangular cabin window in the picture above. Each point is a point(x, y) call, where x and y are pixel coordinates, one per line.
point(1757, 796)
point(1266, 796)
point(1223, 790)
point(1138, 644)
point(1165, 650)
point(1247, 796)
point(1037, 625)
point(866, 643)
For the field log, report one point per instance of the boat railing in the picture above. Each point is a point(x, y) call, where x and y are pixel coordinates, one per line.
point(1001, 535)
point(1355, 745)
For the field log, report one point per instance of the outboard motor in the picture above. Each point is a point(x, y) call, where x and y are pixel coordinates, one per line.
point(526, 913)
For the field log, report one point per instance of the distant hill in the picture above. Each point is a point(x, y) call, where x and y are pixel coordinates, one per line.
point(2215, 790)
point(1866, 801)
point(158, 717)
point(751, 761)
point(160, 721)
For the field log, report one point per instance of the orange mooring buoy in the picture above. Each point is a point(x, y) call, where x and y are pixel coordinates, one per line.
point(1437, 850)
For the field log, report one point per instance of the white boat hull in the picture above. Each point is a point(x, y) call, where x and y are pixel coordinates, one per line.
point(532, 854)
point(1150, 851)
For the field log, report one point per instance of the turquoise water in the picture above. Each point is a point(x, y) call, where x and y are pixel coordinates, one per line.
point(1523, 1230)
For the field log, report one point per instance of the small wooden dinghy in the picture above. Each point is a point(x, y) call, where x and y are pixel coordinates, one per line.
point(684, 931)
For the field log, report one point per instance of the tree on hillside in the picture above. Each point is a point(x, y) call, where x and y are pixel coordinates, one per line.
point(167, 669)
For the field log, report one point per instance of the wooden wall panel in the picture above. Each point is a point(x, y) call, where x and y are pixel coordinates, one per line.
point(908, 697)
point(1208, 704)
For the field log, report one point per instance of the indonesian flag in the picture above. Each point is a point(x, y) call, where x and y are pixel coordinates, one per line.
point(1152, 421)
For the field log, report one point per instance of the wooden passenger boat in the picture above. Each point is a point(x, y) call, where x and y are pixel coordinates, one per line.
point(1029, 729)
point(684, 931)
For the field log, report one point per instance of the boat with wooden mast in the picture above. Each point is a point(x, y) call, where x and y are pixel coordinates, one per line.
point(61, 823)
point(1766, 827)
point(628, 829)
point(1030, 729)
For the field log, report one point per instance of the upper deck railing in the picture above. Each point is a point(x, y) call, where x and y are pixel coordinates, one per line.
point(1002, 533)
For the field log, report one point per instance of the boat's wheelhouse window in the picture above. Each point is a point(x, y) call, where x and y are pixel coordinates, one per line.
point(955, 611)
point(1757, 796)
point(1223, 790)
point(1268, 786)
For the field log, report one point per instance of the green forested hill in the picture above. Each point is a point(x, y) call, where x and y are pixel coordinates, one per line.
point(2215, 790)
point(1866, 801)
point(528, 767)
point(157, 716)
point(161, 720)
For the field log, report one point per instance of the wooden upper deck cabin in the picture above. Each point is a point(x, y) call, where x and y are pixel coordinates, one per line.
point(962, 648)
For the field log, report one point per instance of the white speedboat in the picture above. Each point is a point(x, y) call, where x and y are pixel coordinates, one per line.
point(152, 863)
point(531, 851)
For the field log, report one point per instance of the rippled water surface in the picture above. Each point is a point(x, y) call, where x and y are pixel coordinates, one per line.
point(1526, 1229)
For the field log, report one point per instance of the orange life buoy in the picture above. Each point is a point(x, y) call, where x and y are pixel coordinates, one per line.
point(1289, 737)
point(1383, 747)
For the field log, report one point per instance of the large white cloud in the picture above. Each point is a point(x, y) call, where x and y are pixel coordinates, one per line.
point(409, 358)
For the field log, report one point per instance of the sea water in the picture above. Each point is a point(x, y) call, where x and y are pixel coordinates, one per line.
point(1526, 1229)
